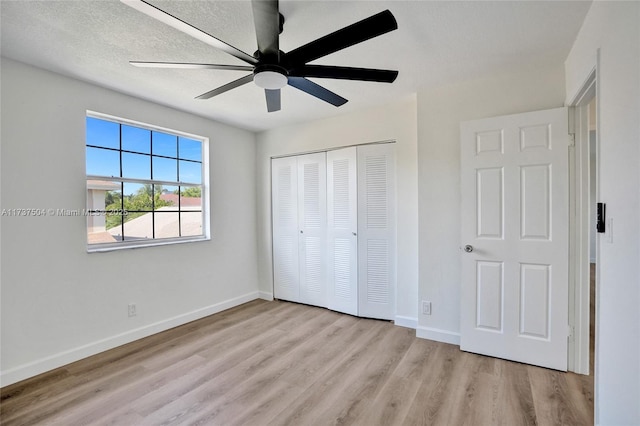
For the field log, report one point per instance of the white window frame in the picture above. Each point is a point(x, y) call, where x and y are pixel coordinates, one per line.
point(206, 235)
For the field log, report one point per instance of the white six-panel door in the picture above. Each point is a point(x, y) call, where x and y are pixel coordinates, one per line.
point(284, 199)
point(514, 294)
point(342, 228)
point(376, 231)
point(312, 220)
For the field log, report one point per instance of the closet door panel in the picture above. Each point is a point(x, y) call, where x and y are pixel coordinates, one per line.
point(312, 219)
point(376, 231)
point(284, 199)
point(342, 227)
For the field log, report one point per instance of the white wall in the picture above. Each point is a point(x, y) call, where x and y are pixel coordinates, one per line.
point(60, 303)
point(397, 122)
point(440, 112)
point(612, 29)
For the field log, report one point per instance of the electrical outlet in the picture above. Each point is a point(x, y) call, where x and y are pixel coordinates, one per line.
point(133, 311)
point(426, 307)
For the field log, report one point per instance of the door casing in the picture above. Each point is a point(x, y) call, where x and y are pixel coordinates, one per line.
point(579, 226)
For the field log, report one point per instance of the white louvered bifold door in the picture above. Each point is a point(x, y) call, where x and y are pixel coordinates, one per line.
point(342, 228)
point(376, 231)
point(312, 219)
point(284, 199)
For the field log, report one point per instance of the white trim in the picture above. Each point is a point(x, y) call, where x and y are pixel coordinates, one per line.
point(408, 322)
point(592, 79)
point(580, 226)
point(335, 148)
point(586, 92)
point(265, 295)
point(104, 247)
point(439, 335)
point(60, 359)
point(147, 126)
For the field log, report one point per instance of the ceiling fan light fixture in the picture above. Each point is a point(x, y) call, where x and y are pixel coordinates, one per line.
point(271, 80)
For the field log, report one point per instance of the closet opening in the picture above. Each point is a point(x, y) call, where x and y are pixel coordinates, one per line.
point(334, 227)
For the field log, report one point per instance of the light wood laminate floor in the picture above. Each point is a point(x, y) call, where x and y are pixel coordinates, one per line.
point(279, 363)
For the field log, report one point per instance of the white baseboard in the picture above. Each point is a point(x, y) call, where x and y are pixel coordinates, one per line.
point(438, 335)
point(265, 295)
point(49, 363)
point(407, 322)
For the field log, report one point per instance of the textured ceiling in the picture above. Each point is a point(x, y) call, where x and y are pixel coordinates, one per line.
point(437, 42)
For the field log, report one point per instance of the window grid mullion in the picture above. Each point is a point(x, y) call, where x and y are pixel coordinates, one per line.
point(121, 183)
point(126, 151)
point(179, 187)
point(122, 210)
point(157, 182)
point(180, 209)
point(153, 188)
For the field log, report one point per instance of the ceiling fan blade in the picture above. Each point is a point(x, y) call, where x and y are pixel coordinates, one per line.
point(266, 19)
point(236, 83)
point(345, 73)
point(273, 99)
point(190, 66)
point(366, 29)
point(180, 25)
point(316, 90)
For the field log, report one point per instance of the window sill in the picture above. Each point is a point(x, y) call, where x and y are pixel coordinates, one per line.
point(99, 248)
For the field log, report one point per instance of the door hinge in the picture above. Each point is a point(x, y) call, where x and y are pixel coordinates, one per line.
point(572, 139)
point(570, 332)
point(571, 119)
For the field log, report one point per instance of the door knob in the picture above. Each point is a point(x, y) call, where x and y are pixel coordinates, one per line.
point(468, 248)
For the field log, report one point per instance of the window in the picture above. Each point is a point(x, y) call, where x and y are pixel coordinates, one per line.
point(145, 185)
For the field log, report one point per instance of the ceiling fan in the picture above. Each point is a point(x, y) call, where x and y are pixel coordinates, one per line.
point(271, 68)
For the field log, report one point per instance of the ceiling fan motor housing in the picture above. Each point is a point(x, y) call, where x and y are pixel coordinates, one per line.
point(270, 76)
